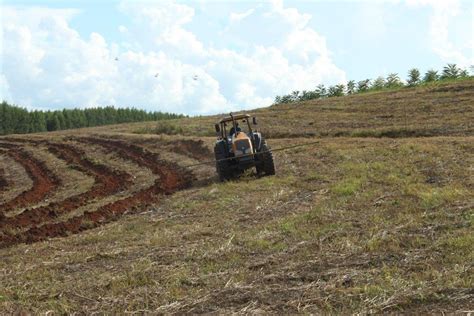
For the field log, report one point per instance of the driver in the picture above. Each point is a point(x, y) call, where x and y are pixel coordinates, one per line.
point(234, 130)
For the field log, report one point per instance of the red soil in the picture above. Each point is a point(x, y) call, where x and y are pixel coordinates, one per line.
point(44, 182)
point(171, 178)
point(107, 182)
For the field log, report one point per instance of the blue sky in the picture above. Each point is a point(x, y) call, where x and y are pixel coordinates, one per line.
point(201, 57)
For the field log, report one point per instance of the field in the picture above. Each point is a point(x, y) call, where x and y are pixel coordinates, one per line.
point(376, 215)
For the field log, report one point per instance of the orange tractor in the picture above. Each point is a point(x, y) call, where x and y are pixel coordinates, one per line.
point(238, 149)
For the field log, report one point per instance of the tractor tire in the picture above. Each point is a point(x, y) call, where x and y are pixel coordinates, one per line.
point(222, 166)
point(267, 166)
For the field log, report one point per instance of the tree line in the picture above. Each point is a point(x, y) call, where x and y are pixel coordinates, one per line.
point(392, 81)
point(17, 120)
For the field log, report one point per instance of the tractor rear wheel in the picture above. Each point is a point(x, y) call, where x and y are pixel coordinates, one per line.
point(267, 165)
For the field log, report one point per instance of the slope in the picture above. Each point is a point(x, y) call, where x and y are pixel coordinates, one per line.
point(371, 219)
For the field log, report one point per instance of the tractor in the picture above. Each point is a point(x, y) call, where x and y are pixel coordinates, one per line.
point(237, 149)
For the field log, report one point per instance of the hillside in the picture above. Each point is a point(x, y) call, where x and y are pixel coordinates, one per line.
point(376, 216)
point(440, 109)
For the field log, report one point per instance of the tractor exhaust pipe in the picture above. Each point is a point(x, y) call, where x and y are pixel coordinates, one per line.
point(233, 122)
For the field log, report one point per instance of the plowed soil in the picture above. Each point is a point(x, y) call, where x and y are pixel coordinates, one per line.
point(35, 224)
point(194, 149)
point(107, 182)
point(44, 182)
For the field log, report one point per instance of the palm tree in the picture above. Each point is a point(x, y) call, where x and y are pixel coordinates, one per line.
point(308, 95)
point(450, 71)
point(431, 76)
point(378, 84)
point(464, 74)
point(321, 91)
point(286, 99)
point(351, 87)
point(340, 89)
point(393, 81)
point(363, 85)
point(336, 91)
point(295, 95)
point(413, 77)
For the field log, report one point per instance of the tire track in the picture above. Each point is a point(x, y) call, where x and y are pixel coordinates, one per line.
point(171, 178)
point(44, 182)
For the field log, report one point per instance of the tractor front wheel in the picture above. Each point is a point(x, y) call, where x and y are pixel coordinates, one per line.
point(222, 165)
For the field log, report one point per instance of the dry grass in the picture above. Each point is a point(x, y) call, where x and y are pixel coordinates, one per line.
point(73, 181)
point(15, 176)
point(442, 109)
point(351, 225)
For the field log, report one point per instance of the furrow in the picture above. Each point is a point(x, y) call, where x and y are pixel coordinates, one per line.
point(107, 182)
point(44, 182)
point(171, 178)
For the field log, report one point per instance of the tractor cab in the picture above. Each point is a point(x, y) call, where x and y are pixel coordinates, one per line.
point(237, 132)
point(234, 124)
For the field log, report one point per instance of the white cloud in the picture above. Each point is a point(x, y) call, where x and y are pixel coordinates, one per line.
point(122, 29)
point(161, 16)
point(236, 17)
point(5, 89)
point(443, 13)
point(161, 64)
point(289, 15)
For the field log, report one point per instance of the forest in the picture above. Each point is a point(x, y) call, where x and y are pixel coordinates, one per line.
point(18, 120)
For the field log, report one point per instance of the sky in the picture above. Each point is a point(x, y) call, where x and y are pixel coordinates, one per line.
point(205, 57)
